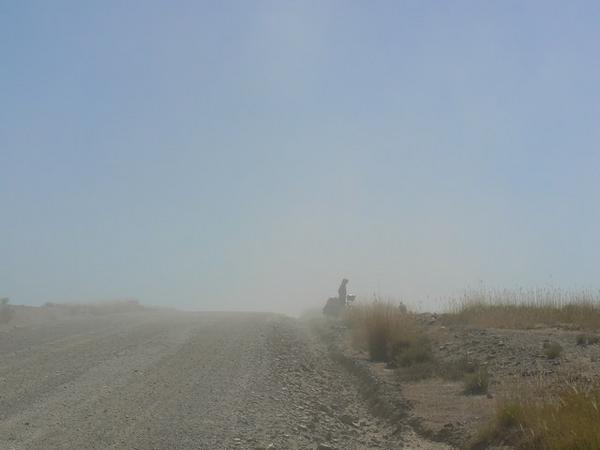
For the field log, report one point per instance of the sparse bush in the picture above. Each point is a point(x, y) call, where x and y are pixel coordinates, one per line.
point(396, 337)
point(457, 369)
point(428, 367)
point(503, 428)
point(586, 339)
point(6, 312)
point(414, 351)
point(552, 350)
point(567, 419)
point(420, 371)
point(477, 382)
point(393, 335)
point(510, 414)
point(389, 333)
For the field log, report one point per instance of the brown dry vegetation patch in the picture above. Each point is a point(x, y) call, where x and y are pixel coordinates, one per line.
point(527, 309)
point(390, 334)
point(546, 414)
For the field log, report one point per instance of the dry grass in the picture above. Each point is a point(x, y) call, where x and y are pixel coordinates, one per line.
point(587, 339)
point(477, 382)
point(389, 333)
point(459, 368)
point(527, 309)
point(552, 350)
point(392, 334)
point(563, 417)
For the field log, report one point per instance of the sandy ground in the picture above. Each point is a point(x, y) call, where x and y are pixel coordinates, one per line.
point(149, 380)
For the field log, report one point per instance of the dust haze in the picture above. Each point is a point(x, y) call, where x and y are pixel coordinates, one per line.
point(258, 155)
point(184, 186)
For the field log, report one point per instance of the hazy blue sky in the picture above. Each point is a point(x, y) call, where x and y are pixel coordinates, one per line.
point(248, 154)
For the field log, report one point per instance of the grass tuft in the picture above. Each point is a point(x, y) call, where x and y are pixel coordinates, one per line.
point(477, 382)
point(567, 419)
point(389, 333)
point(552, 350)
point(587, 339)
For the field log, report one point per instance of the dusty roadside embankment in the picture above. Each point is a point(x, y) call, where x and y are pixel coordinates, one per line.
point(450, 382)
point(158, 380)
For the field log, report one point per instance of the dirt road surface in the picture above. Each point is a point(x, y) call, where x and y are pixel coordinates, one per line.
point(153, 380)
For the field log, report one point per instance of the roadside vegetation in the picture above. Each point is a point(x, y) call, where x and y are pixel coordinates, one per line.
point(526, 309)
point(477, 382)
point(542, 407)
point(552, 350)
point(587, 339)
point(545, 418)
point(392, 334)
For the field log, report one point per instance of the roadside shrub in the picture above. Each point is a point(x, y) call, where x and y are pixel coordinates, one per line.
point(389, 333)
point(380, 323)
point(586, 339)
point(419, 371)
point(458, 369)
point(477, 383)
point(565, 420)
point(6, 312)
point(428, 366)
point(509, 414)
point(503, 429)
point(414, 351)
point(552, 350)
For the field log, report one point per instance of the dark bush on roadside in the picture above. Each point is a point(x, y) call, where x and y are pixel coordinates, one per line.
point(390, 334)
point(457, 369)
point(552, 350)
point(586, 339)
point(410, 352)
point(477, 383)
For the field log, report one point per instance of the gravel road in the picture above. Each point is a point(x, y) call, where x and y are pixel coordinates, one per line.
point(153, 380)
